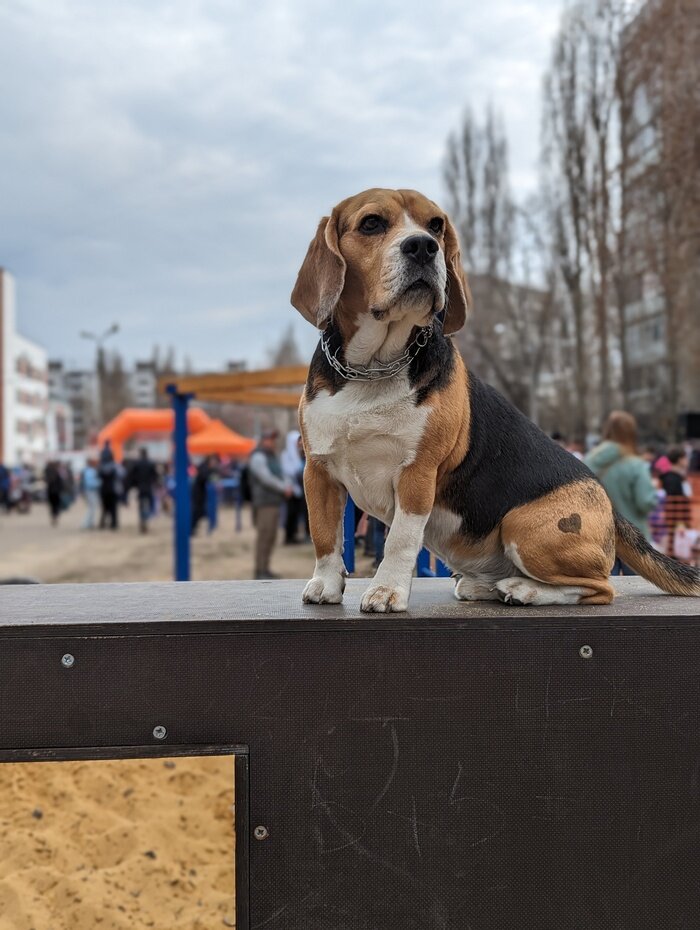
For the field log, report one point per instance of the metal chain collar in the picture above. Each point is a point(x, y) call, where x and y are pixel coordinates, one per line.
point(382, 370)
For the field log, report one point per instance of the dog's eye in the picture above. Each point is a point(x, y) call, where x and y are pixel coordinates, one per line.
point(372, 224)
point(436, 225)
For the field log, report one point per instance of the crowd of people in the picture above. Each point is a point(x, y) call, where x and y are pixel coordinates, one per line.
point(650, 486)
point(104, 484)
point(24, 485)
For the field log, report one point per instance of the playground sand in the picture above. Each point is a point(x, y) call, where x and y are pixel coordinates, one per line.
point(115, 845)
point(30, 547)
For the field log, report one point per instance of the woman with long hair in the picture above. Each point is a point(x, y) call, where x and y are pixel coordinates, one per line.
point(624, 474)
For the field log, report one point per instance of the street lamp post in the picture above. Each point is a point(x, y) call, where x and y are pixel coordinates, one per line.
point(99, 339)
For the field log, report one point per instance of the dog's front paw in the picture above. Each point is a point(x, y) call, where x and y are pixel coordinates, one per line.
point(384, 599)
point(324, 590)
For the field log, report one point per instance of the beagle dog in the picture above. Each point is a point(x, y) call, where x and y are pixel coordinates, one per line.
point(391, 416)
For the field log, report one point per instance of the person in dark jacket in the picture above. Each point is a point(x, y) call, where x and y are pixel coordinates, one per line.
point(200, 489)
point(677, 509)
point(4, 487)
point(143, 477)
point(110, 492)
point(54, 490)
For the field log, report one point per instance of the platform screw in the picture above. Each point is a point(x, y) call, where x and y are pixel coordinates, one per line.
point(68, 661)
point(586, 652)
point(160, 732)
point(261, 833)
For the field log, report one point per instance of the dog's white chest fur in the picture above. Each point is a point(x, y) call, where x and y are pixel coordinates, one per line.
point(365, 434)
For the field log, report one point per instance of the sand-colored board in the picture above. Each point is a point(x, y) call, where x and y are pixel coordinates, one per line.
point(117, 845)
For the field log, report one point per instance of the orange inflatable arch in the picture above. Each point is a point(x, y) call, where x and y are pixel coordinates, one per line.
point(217, 437)
point(135, 420)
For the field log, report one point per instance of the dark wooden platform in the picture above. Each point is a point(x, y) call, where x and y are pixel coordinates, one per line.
point(459, 766)
point(252, 602)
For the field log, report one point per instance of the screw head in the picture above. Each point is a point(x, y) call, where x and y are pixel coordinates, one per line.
point(68, 661)
point(586, 652)
point(261, 833)
point(160, 732)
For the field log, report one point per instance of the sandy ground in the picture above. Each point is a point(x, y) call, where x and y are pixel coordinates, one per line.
point(134, 843)
point(29, 546)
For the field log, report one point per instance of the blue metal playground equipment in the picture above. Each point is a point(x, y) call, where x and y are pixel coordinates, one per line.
point(183, 514)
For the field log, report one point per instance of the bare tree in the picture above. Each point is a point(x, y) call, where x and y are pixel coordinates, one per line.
point(286, 351)
point(565, 192)
point(661, 82)
point(621, 150)
point(601, 32)
point(164, 364)
point(505, 340)
point(114, 384)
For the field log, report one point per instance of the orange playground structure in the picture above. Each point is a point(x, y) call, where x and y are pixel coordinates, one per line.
point(206, 436)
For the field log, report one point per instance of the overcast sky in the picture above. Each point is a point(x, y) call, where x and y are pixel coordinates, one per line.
point(164, 164)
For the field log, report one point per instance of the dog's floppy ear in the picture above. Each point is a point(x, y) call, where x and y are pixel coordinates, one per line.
point(322, 275)
point(458, 295)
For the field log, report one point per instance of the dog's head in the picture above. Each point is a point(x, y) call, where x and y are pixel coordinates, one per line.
point(386, 253)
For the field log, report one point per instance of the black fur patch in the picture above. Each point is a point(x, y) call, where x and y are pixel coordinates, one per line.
point(510, 462)
point(570, 524)
point(685, 575)
point(432, 367)
point(321, 372)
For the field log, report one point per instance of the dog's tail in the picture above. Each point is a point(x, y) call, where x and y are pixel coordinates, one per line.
point(666, 573)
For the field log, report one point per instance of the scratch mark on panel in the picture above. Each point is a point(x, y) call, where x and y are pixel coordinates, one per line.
point(392, 773)
point(280, 911)
point(414, 823)
point(454, 787)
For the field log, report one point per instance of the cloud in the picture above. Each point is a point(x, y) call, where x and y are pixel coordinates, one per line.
point(164, 158)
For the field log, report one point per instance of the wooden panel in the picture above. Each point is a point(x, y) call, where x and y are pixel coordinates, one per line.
point(275, 605)
point(254, 398)
point(290, 376)
point(458, 766)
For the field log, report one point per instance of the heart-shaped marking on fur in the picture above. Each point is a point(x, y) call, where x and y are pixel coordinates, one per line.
point(570, 524)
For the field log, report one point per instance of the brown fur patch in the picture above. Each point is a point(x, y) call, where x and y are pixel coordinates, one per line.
point(582, 558)
point(325, 498)
point(443, 444)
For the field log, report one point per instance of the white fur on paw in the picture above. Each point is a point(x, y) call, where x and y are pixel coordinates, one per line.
point(519, 591)
point(474, 589)
point(324, 590)
point(523, 592)
point(383, 599)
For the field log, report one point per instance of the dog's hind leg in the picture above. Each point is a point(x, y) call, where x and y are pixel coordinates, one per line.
point(527, 591)
point(480, 576)
point(478, 566)
point(564, 544)
point(476, 588)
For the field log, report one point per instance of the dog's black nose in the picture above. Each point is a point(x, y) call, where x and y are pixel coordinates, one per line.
point(420, 249)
